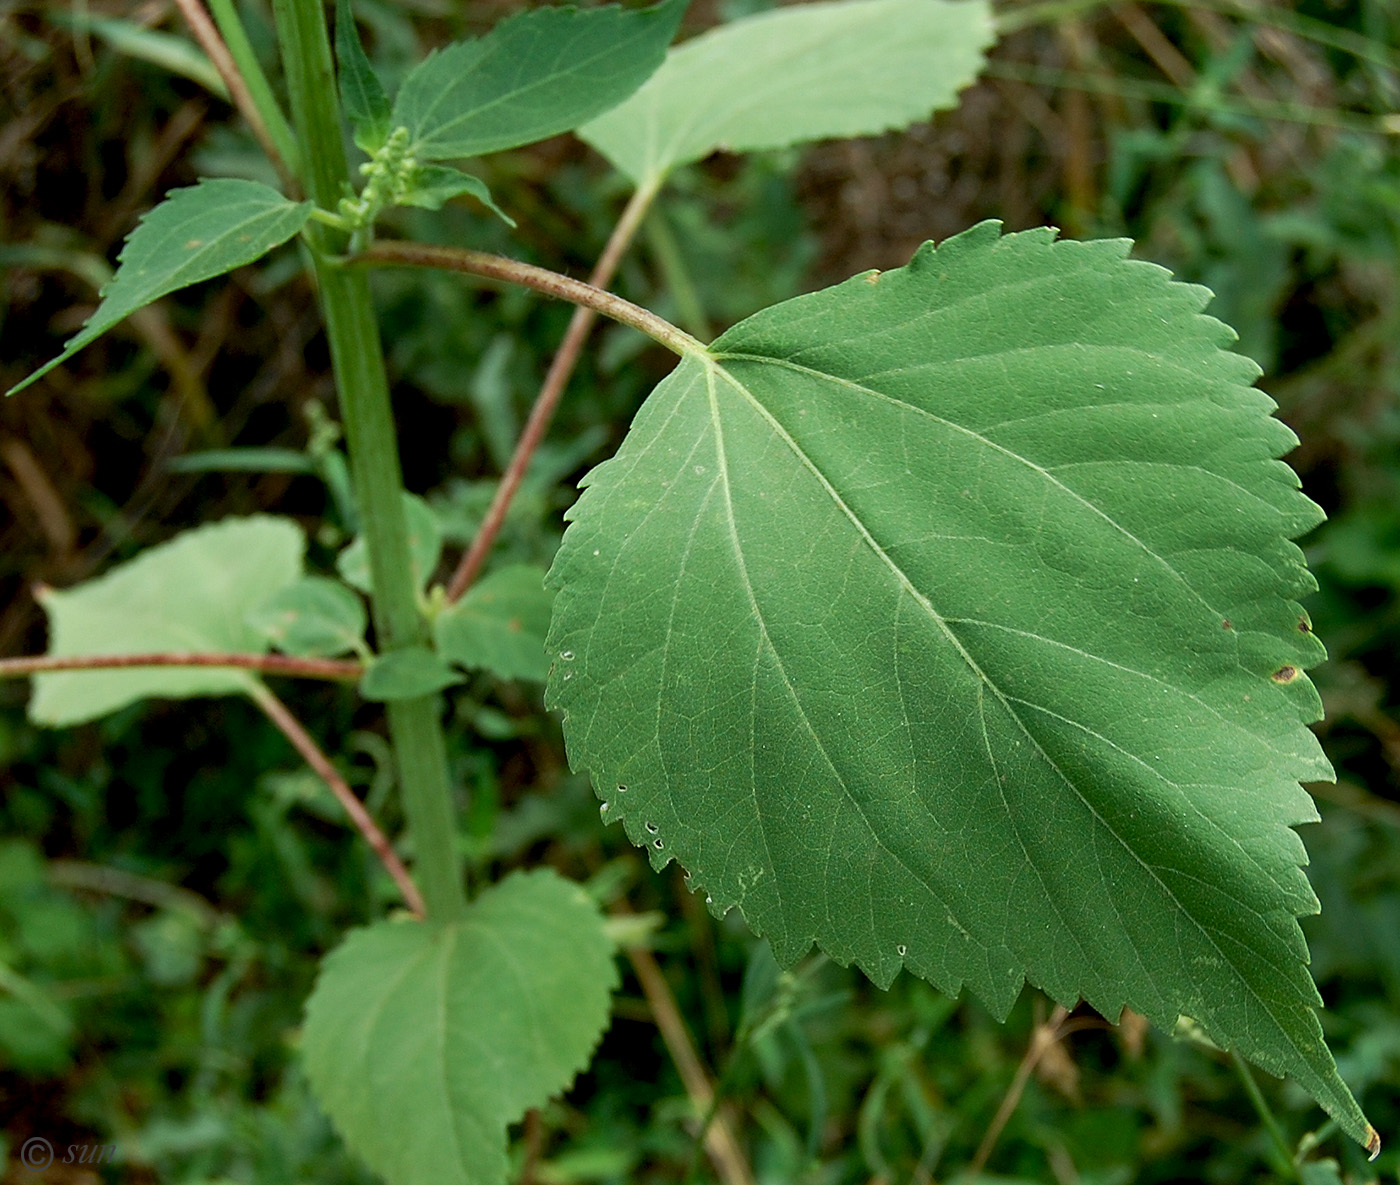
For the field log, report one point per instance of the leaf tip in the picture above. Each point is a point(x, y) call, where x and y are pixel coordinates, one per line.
point(1373, 1143)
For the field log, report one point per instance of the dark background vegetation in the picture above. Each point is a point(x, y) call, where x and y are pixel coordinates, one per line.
point(169, 875)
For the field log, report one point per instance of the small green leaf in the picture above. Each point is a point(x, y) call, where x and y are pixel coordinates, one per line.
point(407, 674)
point(808, 72)
point(534, 75)
point(242, 460)
point(432, 185)
point(423, 1041)
point(316, 617)
point(948, 619)
point(191, 594)
point(1320, 1172)
point(194, 234)
point(424, 543)
point(169, 51)
point(500, 624)
point(362, 95)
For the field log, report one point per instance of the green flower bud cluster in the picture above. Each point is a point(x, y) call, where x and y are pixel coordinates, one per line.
point(388, 179)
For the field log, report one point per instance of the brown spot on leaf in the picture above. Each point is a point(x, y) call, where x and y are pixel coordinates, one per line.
point(514, 625)
point(1305, 626)
point(1284, 675)
point(1226, 625)
point(193, 244)
point(873, 278)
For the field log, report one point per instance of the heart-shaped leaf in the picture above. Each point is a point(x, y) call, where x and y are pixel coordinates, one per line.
point(947, 619)
point(423, 1040)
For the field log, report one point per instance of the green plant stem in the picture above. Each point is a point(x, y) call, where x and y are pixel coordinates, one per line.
point(334, 669)
point(561, 369)
point(1286, 1165)
point(671, 260)
point(357, 358)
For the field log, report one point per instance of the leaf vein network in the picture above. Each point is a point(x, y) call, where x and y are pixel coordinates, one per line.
point(782, 433)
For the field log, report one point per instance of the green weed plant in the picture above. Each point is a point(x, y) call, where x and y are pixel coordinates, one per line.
point(946, 620)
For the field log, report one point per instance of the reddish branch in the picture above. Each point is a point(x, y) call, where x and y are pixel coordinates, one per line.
point(311, 753)
point(561, 370)
point(336, 670)
point(213, 45)
point(720, 1142)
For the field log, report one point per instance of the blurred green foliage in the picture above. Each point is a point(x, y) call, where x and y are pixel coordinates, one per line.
point(170, 874)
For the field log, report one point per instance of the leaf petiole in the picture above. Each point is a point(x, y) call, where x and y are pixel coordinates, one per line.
point(512, 271)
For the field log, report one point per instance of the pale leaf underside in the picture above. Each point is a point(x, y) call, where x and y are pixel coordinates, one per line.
point(195, 593)
point(947, 618)
point(423, 1041)
point(806, 72)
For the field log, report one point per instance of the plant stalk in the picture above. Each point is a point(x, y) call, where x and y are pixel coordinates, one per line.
point(512, 271)
point(225, 14)
point(1286, 1164)
point(239, 94)
point(335, 669)
point(561, 369)
point(291, 728)
point(357, 358)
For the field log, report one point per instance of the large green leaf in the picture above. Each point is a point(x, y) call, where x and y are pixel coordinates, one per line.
point(194, 234)
point(534, 75)
point(810, 72)
point(423, 1041)
point(947, 618)
point(194, 593)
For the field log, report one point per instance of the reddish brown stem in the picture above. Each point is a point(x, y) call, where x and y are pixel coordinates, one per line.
point(311, 753)
point(213, 45)
point(334, 669)
point(561, 369)
point(1043, 1036)
point(720, 1142)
